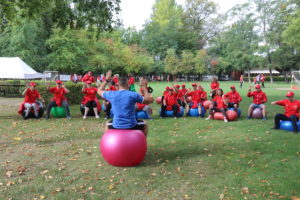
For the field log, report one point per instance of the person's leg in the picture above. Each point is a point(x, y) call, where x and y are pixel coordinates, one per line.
point(65, 104)
point(263, 107)
point(175, 110)
point(147, 109)
point(188, 106)
point(108, 109)
point(95, 108)
point(250, 109)
point(86, 109)
point(211, 111)
point(28, 107)
point(263, 84)
point(235, 106)
point(145, 129)
point(223, 111)
point(34, 106)
point(49, 106)
point(199, 109)
point(279, 117)
point(163, 111)
point(294, 120)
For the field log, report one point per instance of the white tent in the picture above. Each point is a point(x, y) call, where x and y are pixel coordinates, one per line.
point(263, 71)
point(15, 68)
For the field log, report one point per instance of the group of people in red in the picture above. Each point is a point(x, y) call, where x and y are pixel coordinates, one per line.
point(173, 98)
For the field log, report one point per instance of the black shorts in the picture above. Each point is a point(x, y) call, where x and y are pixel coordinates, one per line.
point(91, 104)
point(231, 105)
point(139, 126)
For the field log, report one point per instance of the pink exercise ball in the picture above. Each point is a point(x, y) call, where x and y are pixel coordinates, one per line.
point(123, 148)
point(218, 116)
point(257, 113)
point(189, 99)
point(159, 100)
point(206, 104)
point(231, 115)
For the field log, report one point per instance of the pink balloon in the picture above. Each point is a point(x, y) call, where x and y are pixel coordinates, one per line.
point(231, 115)
point(123, 148)
point(158, 100)
point(257, 113)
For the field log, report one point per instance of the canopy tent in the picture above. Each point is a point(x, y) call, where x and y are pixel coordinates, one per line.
point(263, 71)
point(15, 68)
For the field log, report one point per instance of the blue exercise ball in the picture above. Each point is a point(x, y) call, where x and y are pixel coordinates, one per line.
point(169, 113)
point(142, 115)
point(288, 126)
point(239, 112)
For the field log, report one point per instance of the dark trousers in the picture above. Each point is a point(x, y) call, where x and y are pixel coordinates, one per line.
point(107, 111)
point(63, 103)
point(180, 102)
point(263, 84)
point(222, 110)
point(282, 117)
point(163, 110)
point(91, 104)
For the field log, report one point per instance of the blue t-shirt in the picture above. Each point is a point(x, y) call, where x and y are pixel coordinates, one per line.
point(123, 107)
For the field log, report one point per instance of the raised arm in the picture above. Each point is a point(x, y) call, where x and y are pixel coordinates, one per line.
point(101, 89)
point(66, 90)
point(147, 96)
point(23, 93)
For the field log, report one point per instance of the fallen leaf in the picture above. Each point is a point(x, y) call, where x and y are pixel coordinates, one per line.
point(17, 138)
point(245, 190)
point(221, 196)
point(44, 172)
point(9, 173)
point(295, 198)
point(42, 197)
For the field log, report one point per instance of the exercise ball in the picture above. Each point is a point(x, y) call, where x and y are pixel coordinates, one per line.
point(169, 113)
point(218, 116)
point(124, 148)
point(257, 113)
point(159, 100)
point(90, 113)
point(142, 115)
point(194, 112)
point(189, 99)
point(288, 126)
point(58, 112)
point(239, 112)
point(31, 114)
point(231, 115)
point(206, 104)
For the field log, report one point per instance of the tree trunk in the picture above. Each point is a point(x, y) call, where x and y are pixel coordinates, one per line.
point(270, 68)
point(249, 78)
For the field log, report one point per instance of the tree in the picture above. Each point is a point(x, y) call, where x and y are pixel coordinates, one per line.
point(187, 62)
point(291, 34)
point(200, 61)
point(172, 65)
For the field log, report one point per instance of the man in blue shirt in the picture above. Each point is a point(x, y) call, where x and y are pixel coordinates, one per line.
point(123, 104)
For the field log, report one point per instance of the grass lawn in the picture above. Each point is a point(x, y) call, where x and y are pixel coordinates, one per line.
point(187, 158)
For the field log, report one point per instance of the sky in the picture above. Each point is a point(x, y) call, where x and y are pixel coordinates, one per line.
point(135, 12)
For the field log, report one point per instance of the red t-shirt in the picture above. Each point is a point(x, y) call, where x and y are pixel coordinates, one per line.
point(131, 81)
point(262, 78)
point(59, 95)
point(170, 100)
point(241, 78)
point(31, 96)
point(220, 102)
point(258, 97)
point(88, 78)
point(183, 91)
point(115, 80)
point(196, 95)
point(203, 96)
point(90, 93)
point(112, 88)
point(234, 97)
point(166, 92)
point(291, 108)
point(214, 85)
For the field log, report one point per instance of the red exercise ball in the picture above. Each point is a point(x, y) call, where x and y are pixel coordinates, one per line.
point(231, 115)
point(124, 148)
point(207, 104)
point(218, 116)
point(257, 113)
point(159, 100)
point(189, 99)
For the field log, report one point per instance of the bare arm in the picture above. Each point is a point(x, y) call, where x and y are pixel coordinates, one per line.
point(66, 90)
point(147, 96)
point(23, 93)
point(101, 89)
point(83, 87)
point(274, 102)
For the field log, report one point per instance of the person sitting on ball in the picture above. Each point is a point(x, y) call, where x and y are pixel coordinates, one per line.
point(259, 98)
point(31, 95)
point(169, 103)
point(142, 106)
point(90, 100)
point(179, 95)
point(123, 104)
point(196, 98)
point(59, 98)
point(88, 77)
point(219, 105)
point(234, 98)
point(291, 107)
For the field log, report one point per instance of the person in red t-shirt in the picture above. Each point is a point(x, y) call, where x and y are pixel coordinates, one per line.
point(259, 98)
point(143, 106)
point(184, 90)
point(59, 98)
point(214, 85)
point(131, 82)
point(106, 103)
point(31, 95)
point(196, 98)
point(262, 80)
point(179, 95)
point(234, 98)
point(88, 77)
point(115, 80)
point(219, 105)
point(291, 107)
point(89, 100)
point(169, 102)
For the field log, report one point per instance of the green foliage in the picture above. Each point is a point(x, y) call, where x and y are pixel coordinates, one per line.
point(172, 62)
point(291, 35)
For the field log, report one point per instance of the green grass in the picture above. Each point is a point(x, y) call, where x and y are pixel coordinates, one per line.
point(187, 158)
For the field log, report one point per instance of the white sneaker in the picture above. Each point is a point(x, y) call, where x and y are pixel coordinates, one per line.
point(97, 117)
point(225, 120)
point(84, 117)
point(208, 118)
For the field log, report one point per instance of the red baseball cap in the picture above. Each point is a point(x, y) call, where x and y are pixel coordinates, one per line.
point(171, 89)
point(257, 87)
point(167, 88)
point(178, 86)
point(32, 84)
point(183, 85)
point(194, 84)
point(88, 82)
point(58, 82)
point(289, 94)
point(232, 87)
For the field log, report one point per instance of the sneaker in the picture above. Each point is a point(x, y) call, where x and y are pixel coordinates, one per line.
point(264, 118)
point(69, 117)
point(105, 118)
point(84, 117)
point(175, 117)
point(37, 117)
point(47, 117)
point(225, 120)
point(208, 118)
point(248, 117)
point(25, 118)
point(97, 117)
